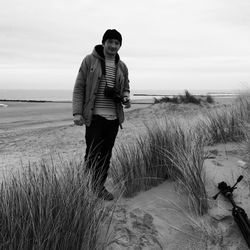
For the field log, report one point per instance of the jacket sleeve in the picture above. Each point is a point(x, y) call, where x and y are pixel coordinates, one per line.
point(126, 89)
point(79, 88)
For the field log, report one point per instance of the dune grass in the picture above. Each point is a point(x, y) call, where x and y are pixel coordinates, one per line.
point(186, 98)
point(49, 208)
point(134, 168)
point(187, 170)
point(201, 230)
point(174, 148)
point(168, 150)
point(226, 124)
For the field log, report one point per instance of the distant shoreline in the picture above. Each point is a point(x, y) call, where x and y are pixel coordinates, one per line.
point(137, 96)
point(201, 95)
point(149, 98)
point(38, 101)
point(140, 101)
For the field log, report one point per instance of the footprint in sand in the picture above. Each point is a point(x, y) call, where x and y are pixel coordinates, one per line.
point(134, 230)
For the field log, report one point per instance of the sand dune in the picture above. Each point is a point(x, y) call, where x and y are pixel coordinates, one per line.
point(153, 219)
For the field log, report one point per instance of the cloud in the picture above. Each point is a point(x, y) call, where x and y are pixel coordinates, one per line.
point(164, 36)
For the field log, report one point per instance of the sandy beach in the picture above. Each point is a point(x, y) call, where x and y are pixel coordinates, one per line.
point(32, 132)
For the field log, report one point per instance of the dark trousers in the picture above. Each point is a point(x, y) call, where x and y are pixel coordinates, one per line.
point(100, 138)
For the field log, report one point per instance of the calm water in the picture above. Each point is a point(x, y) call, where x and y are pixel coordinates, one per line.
point(38, 95)
point(66, 95)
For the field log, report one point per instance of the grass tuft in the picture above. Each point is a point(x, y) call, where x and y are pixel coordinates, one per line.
point(167, 150)
point(49, 208)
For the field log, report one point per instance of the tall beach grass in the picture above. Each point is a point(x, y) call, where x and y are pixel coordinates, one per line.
point(174, 148)
point(45, 207)
point(226, 124)
point(166, 150)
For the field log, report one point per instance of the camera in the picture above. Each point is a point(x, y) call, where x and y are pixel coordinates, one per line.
point(112, 93)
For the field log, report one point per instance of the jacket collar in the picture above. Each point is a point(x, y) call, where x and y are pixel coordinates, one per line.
point(98, 52)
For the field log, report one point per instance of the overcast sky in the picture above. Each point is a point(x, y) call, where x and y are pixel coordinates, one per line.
point(167, 44)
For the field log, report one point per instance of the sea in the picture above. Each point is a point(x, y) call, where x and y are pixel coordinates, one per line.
point(65, 95)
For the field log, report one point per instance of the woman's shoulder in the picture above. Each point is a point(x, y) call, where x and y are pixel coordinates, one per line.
point(123, 66)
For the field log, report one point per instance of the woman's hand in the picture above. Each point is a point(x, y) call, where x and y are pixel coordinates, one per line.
point(78, 120)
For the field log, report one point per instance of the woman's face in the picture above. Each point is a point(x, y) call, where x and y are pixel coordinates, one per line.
point(111, 47)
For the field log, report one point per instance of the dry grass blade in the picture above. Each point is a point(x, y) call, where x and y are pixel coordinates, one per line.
point(50, 208)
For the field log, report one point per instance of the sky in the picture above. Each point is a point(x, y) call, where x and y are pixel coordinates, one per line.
point(167, 44)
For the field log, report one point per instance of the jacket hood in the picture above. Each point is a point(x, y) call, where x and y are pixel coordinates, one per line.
point(98, 52)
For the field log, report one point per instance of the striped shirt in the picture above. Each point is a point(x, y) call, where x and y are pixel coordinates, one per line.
point(104, 106)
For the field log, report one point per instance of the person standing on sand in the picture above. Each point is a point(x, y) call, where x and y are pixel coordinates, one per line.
point(100, 92)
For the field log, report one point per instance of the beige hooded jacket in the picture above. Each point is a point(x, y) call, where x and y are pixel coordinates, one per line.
point(87, 82)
